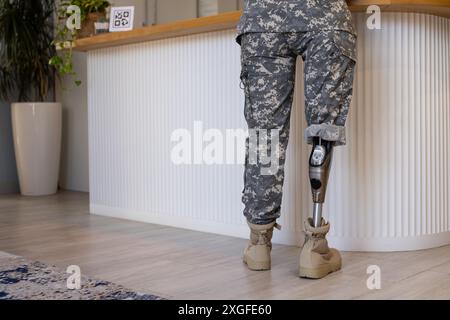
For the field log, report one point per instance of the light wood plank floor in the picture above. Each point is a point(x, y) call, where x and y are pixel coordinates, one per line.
point(176, 263)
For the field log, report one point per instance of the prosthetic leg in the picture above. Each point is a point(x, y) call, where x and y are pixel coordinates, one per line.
point(316, 258)
point(319, 171)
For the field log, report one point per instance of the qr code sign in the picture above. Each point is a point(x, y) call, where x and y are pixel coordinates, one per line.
point(121, 19)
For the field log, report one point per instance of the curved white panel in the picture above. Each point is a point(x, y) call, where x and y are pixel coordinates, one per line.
point(389, 187)
point(393, 188)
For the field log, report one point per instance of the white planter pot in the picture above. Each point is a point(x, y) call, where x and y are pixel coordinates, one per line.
point(37, 145)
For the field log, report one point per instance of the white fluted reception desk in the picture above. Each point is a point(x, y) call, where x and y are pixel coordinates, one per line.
point(389, 187)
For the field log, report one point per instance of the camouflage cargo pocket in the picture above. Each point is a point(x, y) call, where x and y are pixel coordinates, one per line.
point(245, 86)
point(345, 42)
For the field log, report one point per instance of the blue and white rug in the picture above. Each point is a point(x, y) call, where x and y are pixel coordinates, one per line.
point(22, 279)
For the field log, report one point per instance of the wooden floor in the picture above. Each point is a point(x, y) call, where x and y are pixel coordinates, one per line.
point(176, 263)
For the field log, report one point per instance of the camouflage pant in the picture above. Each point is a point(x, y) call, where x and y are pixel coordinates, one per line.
point(268, 63)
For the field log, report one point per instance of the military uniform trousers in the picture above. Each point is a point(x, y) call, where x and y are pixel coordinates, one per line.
point(268, 66)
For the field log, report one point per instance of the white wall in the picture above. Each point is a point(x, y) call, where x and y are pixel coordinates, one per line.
point(74, 167)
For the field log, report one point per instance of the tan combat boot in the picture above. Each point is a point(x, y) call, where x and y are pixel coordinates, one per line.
point(257, 253)
point(316, 258)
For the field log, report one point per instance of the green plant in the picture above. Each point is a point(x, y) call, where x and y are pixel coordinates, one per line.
point(65, 37)
point(26, 33)
point(62, 60)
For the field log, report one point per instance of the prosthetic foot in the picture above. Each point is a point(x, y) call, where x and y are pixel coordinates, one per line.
point(316, 258)
point(257, 253)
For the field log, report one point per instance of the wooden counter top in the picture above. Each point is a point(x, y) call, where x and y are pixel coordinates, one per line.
point(229, 20)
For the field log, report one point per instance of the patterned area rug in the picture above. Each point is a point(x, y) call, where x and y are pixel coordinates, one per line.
point(21, 279)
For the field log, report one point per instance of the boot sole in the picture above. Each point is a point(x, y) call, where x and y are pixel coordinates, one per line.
point(317, 273)
point(257, 265)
